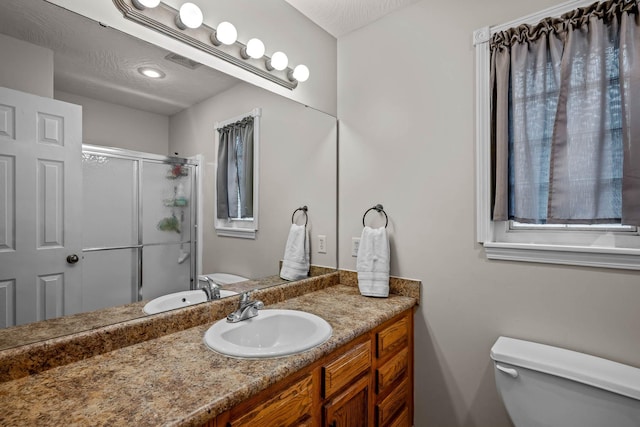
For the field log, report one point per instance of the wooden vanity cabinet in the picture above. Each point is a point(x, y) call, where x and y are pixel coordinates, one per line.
point(394, 373)
point(367, 382)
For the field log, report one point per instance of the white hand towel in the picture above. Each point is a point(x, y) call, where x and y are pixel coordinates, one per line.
point(373, 262)
point(295, 265)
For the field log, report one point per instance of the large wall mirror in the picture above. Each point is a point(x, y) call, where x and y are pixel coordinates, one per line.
point(168, 123)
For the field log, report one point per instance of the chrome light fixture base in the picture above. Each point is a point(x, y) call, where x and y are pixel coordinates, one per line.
point(162, 19)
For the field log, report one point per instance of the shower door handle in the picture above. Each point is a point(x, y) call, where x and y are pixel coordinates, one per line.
point(72, 259)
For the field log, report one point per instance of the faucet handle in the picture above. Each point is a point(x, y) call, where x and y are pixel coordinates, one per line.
point(246, 309)
point(244, 298)
point(212, 289)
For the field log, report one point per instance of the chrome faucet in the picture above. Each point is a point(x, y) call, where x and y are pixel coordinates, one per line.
point(211, 288)
point(246, 309)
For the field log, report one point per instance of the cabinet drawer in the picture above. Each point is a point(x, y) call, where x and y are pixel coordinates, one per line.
point(392, 404)
point(393, 369)
point(284, 409)
point(392, 337)
point(345, 368)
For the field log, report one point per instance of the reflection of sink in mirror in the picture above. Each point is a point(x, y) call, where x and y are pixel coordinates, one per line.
point(187, 298)
point(180, 299)
point(272, 333)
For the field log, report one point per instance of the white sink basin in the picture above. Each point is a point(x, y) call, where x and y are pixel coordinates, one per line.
point(272, 333)
point(179, 300)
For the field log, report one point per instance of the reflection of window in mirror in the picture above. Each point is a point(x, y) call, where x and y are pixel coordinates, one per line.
point(236, 201)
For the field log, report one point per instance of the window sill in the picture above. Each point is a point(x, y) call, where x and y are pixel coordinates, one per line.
point(243, 233)
point(627, 259)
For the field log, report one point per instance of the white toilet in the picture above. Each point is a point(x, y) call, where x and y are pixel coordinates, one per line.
point(544, 386)
point(225, 278)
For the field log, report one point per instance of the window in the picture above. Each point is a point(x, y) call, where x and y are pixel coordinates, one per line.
point(236, 207)
point(531, 223)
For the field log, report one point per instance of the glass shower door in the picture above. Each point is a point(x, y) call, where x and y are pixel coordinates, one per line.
point(167, 218)
point(110, 231)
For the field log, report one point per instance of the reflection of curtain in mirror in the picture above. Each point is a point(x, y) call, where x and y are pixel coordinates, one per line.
point(235, 170)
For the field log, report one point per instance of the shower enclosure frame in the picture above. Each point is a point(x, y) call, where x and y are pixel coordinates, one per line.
point(139, 158)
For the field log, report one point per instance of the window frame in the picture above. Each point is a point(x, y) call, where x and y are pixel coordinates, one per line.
point(609, 249)
point(245, 228)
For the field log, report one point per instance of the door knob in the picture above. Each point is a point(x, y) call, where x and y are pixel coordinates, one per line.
point(72, 259)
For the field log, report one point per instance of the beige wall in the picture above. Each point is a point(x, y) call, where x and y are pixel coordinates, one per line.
point(26, 67)
point(297, 167)
point(406, 109)
point(112, 125)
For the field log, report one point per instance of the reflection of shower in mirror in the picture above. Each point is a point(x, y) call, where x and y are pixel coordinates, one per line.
point(138, 213)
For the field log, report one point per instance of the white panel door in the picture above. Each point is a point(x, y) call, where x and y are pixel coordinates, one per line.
point(40, 208)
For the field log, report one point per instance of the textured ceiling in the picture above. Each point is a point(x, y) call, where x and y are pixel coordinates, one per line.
point(102, 63)
point(339, 17)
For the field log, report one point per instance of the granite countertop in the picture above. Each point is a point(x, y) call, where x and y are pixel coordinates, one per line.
point(176, 379)
point(34, 332)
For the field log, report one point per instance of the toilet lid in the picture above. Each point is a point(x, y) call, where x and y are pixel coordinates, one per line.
point(580, 367)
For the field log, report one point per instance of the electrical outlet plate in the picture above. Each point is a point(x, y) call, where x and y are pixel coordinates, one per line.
point(355, 244)
point(322, 244)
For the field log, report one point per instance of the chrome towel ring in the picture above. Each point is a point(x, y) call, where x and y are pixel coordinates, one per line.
point(378, 208)
point(304, 209)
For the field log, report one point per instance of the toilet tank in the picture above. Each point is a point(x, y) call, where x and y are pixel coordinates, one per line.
point(225, 278)
point(545, 386)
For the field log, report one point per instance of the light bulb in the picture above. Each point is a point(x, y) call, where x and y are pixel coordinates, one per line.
point(226, 33)
point(190, 16)
point(151, 72)
point(143, 4)
point(301, 73)
point(278, 61)
point(255, 48)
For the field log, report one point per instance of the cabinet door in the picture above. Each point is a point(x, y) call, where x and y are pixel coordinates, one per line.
point(349, 409)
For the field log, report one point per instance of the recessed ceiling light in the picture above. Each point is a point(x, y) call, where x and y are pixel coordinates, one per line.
point(152, 73)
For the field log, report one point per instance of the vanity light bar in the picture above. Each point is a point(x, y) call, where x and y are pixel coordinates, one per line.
point(186, 25)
